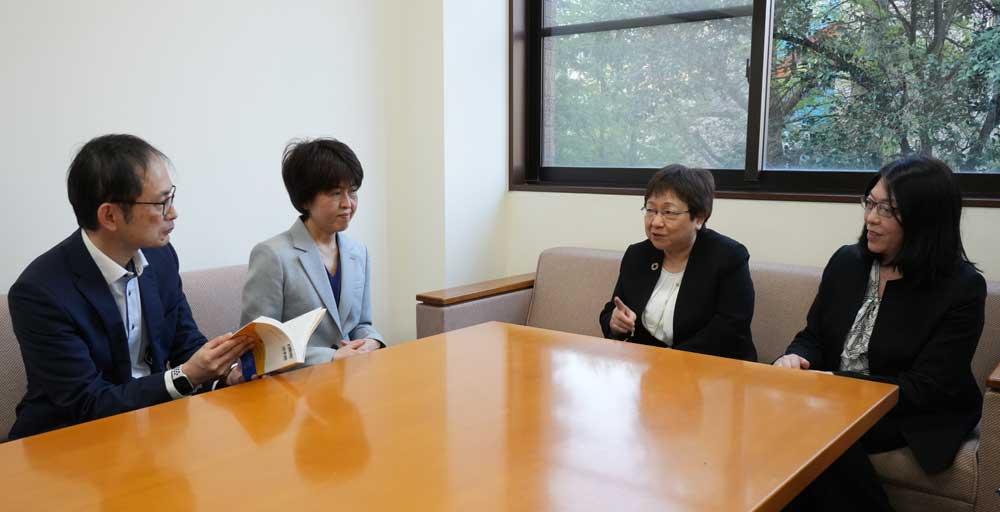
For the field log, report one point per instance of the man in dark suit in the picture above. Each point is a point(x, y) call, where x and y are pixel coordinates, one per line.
point(101, 318)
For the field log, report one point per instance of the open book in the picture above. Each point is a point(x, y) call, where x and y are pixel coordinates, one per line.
point(278, 345)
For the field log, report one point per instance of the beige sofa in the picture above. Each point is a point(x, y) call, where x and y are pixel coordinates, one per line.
point(214, 296)
point(570, 286)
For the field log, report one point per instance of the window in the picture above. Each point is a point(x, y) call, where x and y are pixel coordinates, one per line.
point(799, 99)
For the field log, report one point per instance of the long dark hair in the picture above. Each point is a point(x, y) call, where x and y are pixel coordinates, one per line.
point(929, 208)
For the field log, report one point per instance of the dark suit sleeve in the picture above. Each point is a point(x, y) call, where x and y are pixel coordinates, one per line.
point(935, 376)
point(58, 361)
point(808, 344)
point(187, 338)
point(728, 331)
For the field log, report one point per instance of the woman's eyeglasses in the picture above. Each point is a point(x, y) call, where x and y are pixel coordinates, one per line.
point(882, 209)
point(651, 213)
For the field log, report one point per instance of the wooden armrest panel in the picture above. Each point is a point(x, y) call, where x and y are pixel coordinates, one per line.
point(994, 380)
point(477, 291)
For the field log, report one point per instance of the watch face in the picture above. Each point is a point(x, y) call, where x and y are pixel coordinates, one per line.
point(181, 382)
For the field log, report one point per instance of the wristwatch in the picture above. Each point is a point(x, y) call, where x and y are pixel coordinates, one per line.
point(181, 382)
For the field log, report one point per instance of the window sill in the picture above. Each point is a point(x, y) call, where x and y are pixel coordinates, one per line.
point(727, 194)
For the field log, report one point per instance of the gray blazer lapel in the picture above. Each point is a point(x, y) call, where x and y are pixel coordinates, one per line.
point(350, 274)
point(312, 263)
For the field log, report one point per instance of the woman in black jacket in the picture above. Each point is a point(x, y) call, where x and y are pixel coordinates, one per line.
point(685, 286)
point(905, 306)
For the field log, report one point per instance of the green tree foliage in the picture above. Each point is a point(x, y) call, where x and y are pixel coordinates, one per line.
point(645, 97)
point(854, 83)
point(857, 82)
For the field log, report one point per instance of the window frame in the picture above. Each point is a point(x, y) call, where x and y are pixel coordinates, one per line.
point(526, 172)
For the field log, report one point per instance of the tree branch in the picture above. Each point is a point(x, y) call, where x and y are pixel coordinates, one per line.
point(989, 124)
point(899, 16)
point(857, 74)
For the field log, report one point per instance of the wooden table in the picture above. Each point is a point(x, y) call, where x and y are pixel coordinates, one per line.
point(492, 417)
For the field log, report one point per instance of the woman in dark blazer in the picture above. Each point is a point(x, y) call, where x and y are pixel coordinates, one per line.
point(685, 286)
point(905, 306)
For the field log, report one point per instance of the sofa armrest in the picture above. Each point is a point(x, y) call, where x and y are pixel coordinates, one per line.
point(504, 300)
point(994, 381)
point(475, 291)
point(988, 485)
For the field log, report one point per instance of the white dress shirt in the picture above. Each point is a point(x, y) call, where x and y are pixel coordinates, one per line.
point(124, 287)
point(658, 317)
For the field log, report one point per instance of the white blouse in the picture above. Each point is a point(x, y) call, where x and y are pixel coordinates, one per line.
point(658, 317)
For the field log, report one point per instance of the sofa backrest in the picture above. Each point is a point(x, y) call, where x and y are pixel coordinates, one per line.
point(988, 351)
point(782, 296)
point(215, 298)
point(13, 382)
point(573, 284)
point(571, 287)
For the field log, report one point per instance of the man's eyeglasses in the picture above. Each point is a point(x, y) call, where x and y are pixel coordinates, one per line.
point(651, 213)
point(882, 209)
point(165, 204)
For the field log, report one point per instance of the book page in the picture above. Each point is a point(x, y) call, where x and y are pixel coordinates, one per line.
point(300, 329)
point(278, 345)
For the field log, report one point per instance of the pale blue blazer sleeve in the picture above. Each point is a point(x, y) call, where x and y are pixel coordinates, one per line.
point(263, 290)
point(364, 328)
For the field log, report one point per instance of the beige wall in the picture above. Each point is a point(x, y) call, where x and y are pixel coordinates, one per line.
point(778, 231)
point(415, 207)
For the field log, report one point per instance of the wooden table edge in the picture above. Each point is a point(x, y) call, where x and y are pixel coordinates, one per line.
point(812, 468)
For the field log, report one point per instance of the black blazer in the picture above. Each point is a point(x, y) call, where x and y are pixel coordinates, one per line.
point(714, 304)
point(923, 341)
point(73, 341)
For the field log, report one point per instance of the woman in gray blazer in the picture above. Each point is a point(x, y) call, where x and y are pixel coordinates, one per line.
point(314, 264)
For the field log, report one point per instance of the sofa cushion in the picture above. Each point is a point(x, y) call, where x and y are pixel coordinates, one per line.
point(899, 468)
point(571, 287)
point(904, 499)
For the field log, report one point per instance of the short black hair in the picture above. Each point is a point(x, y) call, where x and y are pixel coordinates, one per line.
point(696, 187)
point(929, 208)
point(313, 166)
point(108, 169)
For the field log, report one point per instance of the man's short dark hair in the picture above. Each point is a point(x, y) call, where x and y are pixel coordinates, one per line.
point(108, 169)
point(696, 187)
point(313, 166)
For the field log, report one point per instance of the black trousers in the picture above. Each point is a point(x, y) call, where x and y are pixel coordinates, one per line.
point(850, 483)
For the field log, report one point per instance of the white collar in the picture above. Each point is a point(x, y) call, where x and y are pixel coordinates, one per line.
point(112, 271)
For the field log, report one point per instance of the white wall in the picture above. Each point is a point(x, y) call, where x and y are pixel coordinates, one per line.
point(417, 88)
point(219, 86)
point(415, 211)
point(446, 62)
point(475, 138)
